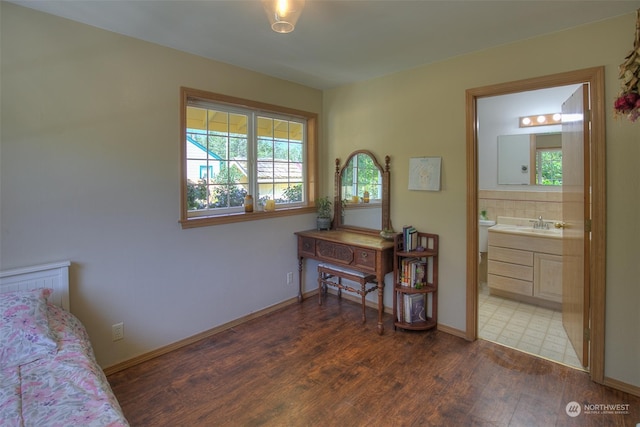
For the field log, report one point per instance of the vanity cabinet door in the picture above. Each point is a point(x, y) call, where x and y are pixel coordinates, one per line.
point(547, 281)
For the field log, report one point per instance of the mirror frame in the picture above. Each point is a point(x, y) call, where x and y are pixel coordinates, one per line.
point(386, 196)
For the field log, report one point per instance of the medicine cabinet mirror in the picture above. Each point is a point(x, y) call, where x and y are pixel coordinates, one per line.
point(530, 159)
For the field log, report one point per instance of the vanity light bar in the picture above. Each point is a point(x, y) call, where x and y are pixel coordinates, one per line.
point(540, 120)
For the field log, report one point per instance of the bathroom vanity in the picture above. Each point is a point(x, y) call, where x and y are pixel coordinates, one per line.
point(526, 264)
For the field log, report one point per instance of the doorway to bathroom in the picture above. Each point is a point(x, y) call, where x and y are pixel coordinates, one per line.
point(534, 323)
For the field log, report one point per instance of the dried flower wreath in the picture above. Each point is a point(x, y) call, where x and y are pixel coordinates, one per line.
point(628, 101)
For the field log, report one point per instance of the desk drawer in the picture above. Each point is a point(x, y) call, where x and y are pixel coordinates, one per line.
point(334, 252)
point(365, 258)
point(306, 246)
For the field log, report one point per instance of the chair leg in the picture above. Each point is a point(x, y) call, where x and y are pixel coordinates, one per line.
point(320, 286)
point(339, 287)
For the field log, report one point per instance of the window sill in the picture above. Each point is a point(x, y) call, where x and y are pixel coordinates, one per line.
point(242, 217)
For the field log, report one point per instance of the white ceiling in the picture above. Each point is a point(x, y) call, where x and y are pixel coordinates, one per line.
point(335, 42)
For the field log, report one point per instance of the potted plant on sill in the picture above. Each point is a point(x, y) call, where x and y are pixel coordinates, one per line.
point(323, 220)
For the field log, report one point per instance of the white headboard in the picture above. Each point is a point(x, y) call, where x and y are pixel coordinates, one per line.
point(54, 276)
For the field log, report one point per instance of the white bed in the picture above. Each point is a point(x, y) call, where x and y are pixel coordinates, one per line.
point(48, 372)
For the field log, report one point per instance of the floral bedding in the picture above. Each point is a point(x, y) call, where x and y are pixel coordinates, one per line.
point(66, 388)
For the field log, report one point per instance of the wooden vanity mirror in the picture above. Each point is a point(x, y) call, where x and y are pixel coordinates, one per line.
point(362, 201)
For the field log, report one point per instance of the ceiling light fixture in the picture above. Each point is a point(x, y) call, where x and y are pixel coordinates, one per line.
point(283, 14)
point(540, 120)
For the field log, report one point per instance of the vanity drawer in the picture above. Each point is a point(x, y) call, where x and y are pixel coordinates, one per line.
point(510, 285)
point(365, 258)
point(506, 269)
point(514, 256)
point(306, 246)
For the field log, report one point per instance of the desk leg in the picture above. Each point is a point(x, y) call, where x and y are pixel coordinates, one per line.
point(380, 304)
point(300, 263)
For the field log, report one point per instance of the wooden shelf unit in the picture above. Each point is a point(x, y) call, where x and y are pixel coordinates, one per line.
point(428, 284)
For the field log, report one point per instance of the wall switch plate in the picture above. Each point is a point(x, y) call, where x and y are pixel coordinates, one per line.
point(117, 331)
point(289, 278)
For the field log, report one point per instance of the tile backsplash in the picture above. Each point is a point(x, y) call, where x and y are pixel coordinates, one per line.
point(522, 204)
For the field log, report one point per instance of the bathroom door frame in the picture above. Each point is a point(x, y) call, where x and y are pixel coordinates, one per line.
point(597, 281)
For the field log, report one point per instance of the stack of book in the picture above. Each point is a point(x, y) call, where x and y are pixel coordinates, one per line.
point(410, 237)
point(412, 272)
point(414, 308)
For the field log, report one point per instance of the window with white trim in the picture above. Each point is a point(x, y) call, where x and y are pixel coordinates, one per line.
point(234, 147)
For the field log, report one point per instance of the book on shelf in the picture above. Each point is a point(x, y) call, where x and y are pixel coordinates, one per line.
point(414, 308)
point(409, 237)
point(412, 271)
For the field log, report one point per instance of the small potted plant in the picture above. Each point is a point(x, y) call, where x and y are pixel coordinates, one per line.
point(323, 206)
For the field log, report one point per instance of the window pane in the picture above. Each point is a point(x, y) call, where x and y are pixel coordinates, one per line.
point(295, 172)
point(196, 119)
point(280, 129)
point(265, 127)
point(281, 151)
point(291, 193)
point(196, 195)
point(296, 131)
point(218, 122)
point(238, 173)
point(296, 152)
point(238, 148)
point(217, 147)
point(265, 149)
point(265, 191)
point(193, 169)
point(224, 196)
point(238, 124)
point(196, 146)
point(265, 171)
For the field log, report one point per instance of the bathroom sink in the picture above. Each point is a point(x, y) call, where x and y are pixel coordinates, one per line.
point(527, 230)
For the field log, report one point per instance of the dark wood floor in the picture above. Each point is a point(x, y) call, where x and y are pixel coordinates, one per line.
point(306, 365)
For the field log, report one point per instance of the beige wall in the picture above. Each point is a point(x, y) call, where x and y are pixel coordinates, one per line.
point(89, 172)
point(421, 112)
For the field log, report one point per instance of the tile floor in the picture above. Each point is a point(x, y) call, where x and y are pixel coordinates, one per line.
point(525, 327)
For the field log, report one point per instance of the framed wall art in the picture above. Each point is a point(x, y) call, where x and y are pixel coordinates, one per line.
point(424, 173)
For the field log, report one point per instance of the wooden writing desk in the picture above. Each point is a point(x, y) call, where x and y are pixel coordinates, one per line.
point(357, 251)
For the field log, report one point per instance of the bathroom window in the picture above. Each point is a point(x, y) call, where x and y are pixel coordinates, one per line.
point(548, 159)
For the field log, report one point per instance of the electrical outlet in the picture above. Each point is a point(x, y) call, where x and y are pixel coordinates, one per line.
point(289, 278)
point(117, 331)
